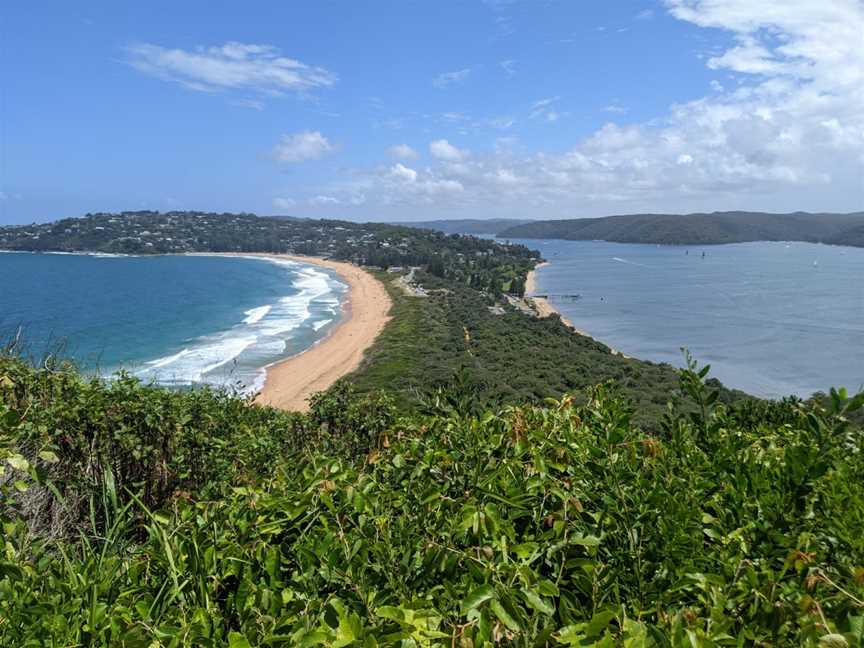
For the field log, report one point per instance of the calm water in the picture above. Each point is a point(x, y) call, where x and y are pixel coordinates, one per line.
point(772, 319)
point(178, 320)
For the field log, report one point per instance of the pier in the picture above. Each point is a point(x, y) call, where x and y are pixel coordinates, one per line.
point(565, 297)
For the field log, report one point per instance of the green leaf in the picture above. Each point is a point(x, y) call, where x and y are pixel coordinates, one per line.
point(477, 597)
point(538, 603)
point(547, 588)
point(50, 457)
point(525, 550)
point(572, 635)
point(390, 612)
point(18, 462)
point(833, 641)
point(599, 622)
point(504, 616)
point(585, 541)
point(237, 640)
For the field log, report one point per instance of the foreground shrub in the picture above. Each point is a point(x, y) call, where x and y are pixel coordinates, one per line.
point(556, 525)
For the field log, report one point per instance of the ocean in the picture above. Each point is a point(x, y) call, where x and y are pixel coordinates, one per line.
point(772, 319)
point(176, 320)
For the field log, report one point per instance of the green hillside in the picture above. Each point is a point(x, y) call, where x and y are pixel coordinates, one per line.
point(694, 229)
point(135, 516)
point(467, 225)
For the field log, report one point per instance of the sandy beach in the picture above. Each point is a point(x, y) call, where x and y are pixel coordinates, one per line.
point(290, 382)
point(542, 305)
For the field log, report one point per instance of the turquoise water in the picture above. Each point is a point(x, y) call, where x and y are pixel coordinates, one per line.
point(772, 319)
point(174, 319)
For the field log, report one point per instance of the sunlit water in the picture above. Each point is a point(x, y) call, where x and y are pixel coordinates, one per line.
point(772, 319)
point(174, 319)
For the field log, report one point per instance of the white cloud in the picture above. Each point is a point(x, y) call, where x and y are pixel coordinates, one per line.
point(542, 109)
point(232, 66)
point(615, 108)
point(502, 122)
point(307, 145)
point(402, 152)
point(454, 117)
point(324, 201)
point(788, 135)
point(543, 103)
point(284, 203)
point(509, 67)
point(403, 173)
point(443, 150)
point(446, 79)
point(645, 14)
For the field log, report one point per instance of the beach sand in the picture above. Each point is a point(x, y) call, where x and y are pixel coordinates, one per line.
point(542, 305)
point(289, 383)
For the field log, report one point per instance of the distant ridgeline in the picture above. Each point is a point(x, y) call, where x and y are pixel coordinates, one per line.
point(706, 229)
point(469, 225)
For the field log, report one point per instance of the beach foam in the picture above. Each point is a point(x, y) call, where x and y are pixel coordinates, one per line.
point(193, 363)
point(319, 325)
point(240, 353)
point(256, 314)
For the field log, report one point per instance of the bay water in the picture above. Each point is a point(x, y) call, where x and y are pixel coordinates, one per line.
point(177, 320)
point(772, 319)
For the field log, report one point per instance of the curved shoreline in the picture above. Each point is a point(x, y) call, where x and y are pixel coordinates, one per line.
point(542, 305)
point(290, 382)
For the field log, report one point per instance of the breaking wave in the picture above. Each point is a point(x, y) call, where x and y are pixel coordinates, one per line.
point(237, 356)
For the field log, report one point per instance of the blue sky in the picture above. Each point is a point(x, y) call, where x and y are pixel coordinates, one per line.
point(410, 110)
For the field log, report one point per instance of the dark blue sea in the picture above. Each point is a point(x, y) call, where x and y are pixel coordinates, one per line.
point(178, 320)
point(772, 319)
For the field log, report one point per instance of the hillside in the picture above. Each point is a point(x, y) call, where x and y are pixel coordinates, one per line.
point(705, 229)
point(467, 225)
point(136, 516)
point(369, 244)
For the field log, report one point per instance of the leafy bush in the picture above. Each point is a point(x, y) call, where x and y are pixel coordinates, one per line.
point(561, 524)
point(70, 432)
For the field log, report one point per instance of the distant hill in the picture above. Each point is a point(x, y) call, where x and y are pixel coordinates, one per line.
point(694, 229)
point(468, 225)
